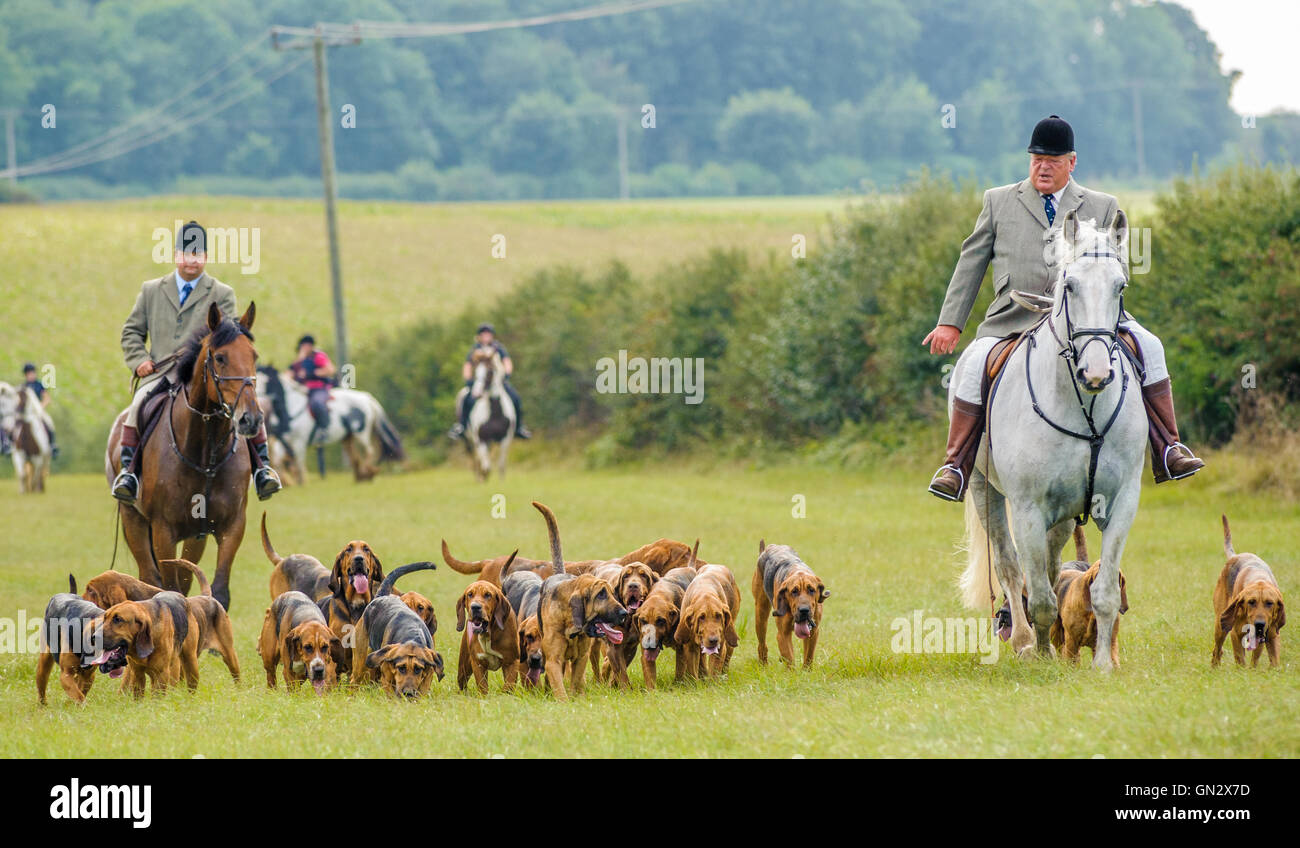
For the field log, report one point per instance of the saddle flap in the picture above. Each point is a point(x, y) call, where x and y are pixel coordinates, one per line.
point(151, 405)
point(996, 361)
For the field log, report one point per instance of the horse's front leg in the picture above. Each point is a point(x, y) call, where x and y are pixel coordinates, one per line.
point(1105, 589)
point(1035, 557)
point(503, 450)
point(989, 504)
point(227, 545)
point(163, 539)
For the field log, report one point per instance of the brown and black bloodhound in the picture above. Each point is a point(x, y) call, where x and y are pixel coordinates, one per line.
point(782, 580)
point(657, 618)
point(708, 623)
point(295, 633)
point(490, 640)
point(210, 618)
point(632, 583)
point(1247, 606)
point(66, 640)
point(523, 590)
point(392, 645)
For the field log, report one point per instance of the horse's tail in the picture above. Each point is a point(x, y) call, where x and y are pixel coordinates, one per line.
point(389, 442)
point(1227, 537)
point(275, 558)
point(977, 580)
point(204, 588)
point(386, 588)
point(1080, 544)
point(461, 565)
point(553, 533)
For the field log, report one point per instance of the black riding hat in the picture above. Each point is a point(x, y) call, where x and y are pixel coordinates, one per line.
point(192, 238)
point(307, 340)
point(1053, 136)
point(485, 328)
point(28, 367)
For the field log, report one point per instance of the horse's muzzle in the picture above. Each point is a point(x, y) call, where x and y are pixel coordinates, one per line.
point(249, 423)
point(1094, 382)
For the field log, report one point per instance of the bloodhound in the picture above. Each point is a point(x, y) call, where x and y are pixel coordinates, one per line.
point(210, 618)
point(294, 632)
point(573, 609)
point(151, 638)
point(1075, 626)
point(632, 583)
point(657, 617)
point(1248, 605)
point(661, 555)
point(296, 572)
point(423, 607)
point(113, 587)
point(707, 627)
point(66, 632)
point(392, 645)
point(782, 580)
point(523, 589)
point(490, 640)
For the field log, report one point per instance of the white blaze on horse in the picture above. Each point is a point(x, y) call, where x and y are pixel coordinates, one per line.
point(1066, 434)
point(21, 418)
point(355, 418)
point(492, 420)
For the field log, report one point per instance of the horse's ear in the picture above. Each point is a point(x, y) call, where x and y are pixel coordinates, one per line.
point(1119, 234)
point(1070, 227)
point(214, 316)
point(246, 321)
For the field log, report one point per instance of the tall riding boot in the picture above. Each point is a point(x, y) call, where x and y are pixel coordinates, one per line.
point(265, 480)
point(1170, 458)
point(964, 433)
point(126, 485)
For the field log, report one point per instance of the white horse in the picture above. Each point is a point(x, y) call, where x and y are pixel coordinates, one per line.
point(493, 417)
point(1066, 434)
point(355, 418)
point(21, 417)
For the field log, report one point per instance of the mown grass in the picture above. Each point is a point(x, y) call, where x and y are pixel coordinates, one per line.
point(883, 546)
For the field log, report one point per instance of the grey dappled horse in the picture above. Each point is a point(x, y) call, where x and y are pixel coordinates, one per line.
point(1065, 391)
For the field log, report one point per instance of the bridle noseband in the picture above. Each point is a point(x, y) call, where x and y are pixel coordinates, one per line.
point(1107, 335)
point(224, 410)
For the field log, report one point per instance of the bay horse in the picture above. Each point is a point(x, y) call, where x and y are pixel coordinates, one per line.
point(1065, 439)
point(492, 420)
point(20, 412)
point(195, 471)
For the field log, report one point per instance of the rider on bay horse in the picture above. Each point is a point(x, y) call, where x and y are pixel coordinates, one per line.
point(1015, 225)
point(314, 370)
point(486, 339)
point(30, 381)
point(168, 311)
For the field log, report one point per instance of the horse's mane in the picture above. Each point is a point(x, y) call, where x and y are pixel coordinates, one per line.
point(225, 333)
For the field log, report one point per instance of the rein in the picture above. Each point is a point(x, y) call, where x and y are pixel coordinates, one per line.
point(212, 461)
point(1094, 437)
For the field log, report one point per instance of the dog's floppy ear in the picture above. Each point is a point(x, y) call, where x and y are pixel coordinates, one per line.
point(374, 658)
point(683, 633)
point(143, 642)
point(822, 592)
point(336, 652)
point(1228, 618)
point(460, 612)
point(1281, 615)
point(782, 606)
point(293, 645)
point(578, 609)
point(502, 609)
point(728, 630)
point(336, 575)
point(379, 568)
point(1123, 594)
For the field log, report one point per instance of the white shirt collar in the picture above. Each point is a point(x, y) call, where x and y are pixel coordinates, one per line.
point(181, 281)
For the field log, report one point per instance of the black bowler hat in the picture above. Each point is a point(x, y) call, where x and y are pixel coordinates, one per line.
point(485, 328)
point(1053, 136)
point(192, 238)
point(306, 340)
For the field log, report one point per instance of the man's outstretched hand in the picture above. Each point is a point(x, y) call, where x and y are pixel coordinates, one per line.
point(942, 339)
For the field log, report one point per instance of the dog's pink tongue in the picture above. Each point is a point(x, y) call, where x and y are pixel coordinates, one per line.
point(802, 630)
point(361, 583)
point(319, 686)
point(117, 672)
point(1004, 633)
point(1250, 642)
point(707, 650)
point(534, 675)
point(614, 635)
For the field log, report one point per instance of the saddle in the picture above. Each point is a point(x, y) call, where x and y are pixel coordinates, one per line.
point(1002, 350)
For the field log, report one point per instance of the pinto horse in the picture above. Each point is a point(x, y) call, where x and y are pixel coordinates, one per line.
point(195, 471)
point(20, 416)
point(493, 417)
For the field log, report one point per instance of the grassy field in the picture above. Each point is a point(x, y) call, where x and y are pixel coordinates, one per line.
point(74, 269)
point(883, 546)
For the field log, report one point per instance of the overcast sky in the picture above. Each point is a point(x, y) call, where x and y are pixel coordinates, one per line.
point(1260, 38)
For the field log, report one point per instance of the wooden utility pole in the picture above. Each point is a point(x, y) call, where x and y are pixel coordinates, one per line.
point(331, 197)
point(624, 191)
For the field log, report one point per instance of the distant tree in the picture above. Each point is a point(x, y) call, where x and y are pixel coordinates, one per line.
point(771, 128)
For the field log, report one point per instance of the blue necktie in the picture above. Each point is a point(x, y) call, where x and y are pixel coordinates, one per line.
point(185, 292)
point(1049, 208)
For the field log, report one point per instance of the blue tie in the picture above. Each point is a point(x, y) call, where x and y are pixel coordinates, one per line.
point(1049, 208)
point(185, 292)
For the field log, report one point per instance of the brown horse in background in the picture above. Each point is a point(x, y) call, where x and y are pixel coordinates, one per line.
point(195, 471)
